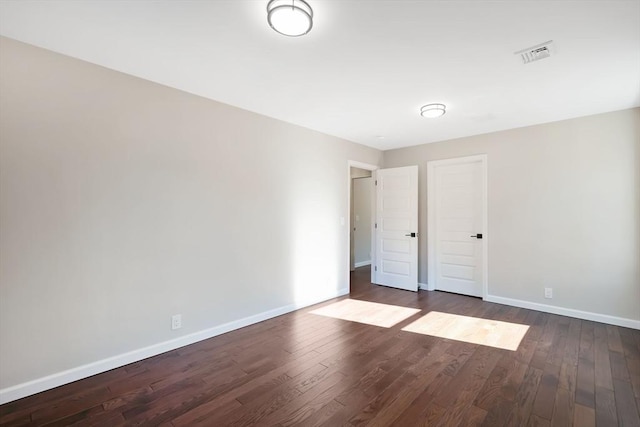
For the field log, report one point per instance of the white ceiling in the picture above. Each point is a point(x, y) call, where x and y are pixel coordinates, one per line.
point(366, 67)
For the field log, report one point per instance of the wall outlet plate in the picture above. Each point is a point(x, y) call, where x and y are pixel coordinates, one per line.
point(548, 293)
point(176, 321)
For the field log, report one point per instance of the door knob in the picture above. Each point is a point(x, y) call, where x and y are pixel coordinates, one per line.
point(411, 235)
point(477, 236)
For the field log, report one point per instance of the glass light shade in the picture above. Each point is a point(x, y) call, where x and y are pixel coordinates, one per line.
point(291, 18)
point(433, 110)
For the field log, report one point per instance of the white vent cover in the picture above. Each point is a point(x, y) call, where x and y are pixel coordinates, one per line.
point(537, 52)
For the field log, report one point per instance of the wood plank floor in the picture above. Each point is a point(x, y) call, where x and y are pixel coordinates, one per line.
point(305, 369)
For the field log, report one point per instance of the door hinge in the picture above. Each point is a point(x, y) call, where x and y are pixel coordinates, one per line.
point(375, 268)
point(375, 225)
point(376, 182)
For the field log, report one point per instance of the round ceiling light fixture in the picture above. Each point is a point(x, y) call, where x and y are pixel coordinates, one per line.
point(291, 18)
point(433, 110)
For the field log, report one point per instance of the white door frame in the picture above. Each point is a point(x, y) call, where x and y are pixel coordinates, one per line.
point(431, 219)
point(372, 168)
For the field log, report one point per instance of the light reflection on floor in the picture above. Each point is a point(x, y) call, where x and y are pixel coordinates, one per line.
point(473, 330)
point(370, 313)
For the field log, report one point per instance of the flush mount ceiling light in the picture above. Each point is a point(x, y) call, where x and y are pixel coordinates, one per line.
point(433, 110)
point(291, 18)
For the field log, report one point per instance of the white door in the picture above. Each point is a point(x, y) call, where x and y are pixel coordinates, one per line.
point(397, 228)
point(457, 228)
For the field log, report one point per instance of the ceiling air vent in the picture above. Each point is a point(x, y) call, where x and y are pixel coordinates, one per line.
point(537, 52)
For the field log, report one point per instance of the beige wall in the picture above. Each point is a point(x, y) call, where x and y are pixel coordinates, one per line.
point(123, 202)
point(360, 173)
point(563, 207)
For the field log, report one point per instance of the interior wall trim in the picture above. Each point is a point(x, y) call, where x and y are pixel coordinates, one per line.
point(362, 263)
point(425, 287)
point(38, 385)
point(579, 314)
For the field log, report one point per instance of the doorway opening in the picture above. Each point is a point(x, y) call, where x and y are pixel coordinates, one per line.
point(361, 217)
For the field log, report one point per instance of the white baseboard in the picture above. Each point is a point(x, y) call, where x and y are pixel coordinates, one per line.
point(38, 385)
point(425, 287)
point(362, 264)
point(586, 315)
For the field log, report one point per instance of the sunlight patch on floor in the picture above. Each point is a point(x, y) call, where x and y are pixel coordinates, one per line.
point(493, 333)
point(370, 313)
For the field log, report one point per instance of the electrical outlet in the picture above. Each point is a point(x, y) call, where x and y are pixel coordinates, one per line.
point(176, 321)
point(548, 293)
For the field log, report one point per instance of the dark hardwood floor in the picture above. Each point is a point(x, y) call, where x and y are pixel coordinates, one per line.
point(305, 369)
